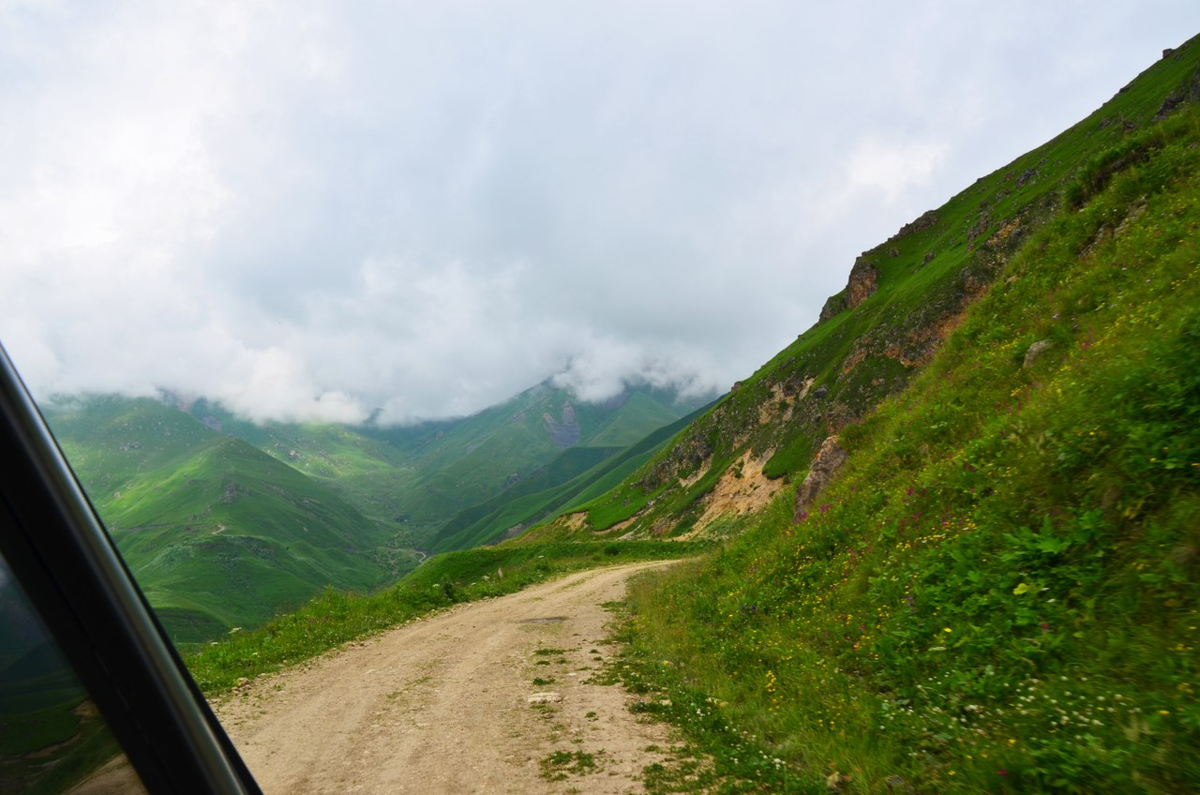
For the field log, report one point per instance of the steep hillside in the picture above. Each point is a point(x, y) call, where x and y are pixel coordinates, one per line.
point(998, 589)
point(575, 476)
point(217, 533)
point(490, 452)
point(903, 299)
point(370, 473)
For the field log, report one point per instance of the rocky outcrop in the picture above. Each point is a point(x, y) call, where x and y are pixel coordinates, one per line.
point(864, 276)
point(864, 281)
point(833, 305)
point(828, 461)
point(926, 221)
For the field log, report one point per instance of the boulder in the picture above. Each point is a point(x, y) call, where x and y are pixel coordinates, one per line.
point(829, 460)
point(1036, 350)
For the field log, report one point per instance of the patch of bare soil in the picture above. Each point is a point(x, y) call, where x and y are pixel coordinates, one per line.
point(485, 698)
point(741, 490)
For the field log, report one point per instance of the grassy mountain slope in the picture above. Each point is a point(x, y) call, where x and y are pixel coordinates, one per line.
point(490, 452)
point(573, 477)
point(372, 474)
point(416, 477)
point(492, 519)
point(637, 417)
point(217, 532)
point(998, 592)
point(903, 299)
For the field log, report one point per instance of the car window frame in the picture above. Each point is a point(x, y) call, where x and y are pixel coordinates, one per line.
point(63, 557)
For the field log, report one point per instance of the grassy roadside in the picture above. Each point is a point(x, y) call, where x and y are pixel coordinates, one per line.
point(337, 617)
point(1000, 593)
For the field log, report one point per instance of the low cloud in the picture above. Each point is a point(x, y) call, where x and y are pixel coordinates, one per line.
point(315, 211)
point(892, 168)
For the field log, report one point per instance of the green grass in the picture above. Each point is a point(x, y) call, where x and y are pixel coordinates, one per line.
point(218, 533)
point(999, 594)
point(927, 279)
point(531, 497)
point(477, 458)
point(560, 765)
point(336, 617)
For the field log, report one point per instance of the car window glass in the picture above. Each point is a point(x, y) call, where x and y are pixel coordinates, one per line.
point(52, 738)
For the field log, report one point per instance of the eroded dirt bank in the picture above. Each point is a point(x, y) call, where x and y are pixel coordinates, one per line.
point(450, 704)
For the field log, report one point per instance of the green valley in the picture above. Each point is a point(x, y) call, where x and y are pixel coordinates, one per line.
point(419, 477)
point(226, 522)
point(219, 534)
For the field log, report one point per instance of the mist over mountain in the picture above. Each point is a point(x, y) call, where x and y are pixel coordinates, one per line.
point(311, 212)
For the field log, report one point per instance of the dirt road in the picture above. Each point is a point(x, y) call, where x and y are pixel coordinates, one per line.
point(489, 697)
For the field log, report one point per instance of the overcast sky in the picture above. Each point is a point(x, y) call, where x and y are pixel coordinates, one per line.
point(308, 210)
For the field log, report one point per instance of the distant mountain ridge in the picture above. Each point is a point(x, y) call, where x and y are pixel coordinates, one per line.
point(225, 522)
point(218, 533)
point(421, 475)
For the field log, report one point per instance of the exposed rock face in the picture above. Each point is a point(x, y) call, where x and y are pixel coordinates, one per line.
point(920, 225)
point(685, 459)
point(834, 304)
point(829, 459)
point(566, 433)
point(979, 229)
point(864, 281)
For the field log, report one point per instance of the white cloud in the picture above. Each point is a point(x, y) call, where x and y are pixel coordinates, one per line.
point(893, 169)
point(314, 209)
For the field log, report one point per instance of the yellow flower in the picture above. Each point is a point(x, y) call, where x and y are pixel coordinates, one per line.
point(947, 629)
